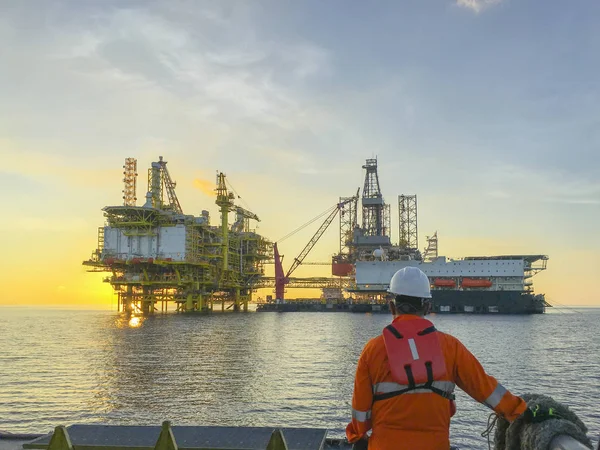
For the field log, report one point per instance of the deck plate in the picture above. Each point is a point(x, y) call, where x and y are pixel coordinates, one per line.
point(102, 437)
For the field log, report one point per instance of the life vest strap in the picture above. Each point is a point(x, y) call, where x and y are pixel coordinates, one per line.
point(431, 329)
point(377, 397)
point(412, 387)
point(447, 395)
point(429, 374)
point(395, 332)
point(411, 378)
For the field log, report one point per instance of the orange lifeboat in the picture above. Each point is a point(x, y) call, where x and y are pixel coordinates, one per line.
point(480, 283)
point(341, 269)
point(444, 282)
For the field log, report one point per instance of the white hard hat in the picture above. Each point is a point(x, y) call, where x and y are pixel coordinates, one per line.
point(410, 281)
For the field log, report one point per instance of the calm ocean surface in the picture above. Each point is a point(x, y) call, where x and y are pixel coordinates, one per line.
point(262, 369)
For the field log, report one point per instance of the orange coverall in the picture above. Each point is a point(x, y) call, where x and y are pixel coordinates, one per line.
point(420, 421)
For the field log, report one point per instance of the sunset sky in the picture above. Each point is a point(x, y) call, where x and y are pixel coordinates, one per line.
point(488, 110)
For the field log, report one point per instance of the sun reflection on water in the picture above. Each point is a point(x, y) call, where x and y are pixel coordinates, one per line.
point(129, 321)
point(135, 322)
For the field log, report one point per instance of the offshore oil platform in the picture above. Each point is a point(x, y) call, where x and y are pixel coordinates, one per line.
point(157, 254)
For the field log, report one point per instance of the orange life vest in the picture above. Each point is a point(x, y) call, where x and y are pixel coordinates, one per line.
point(416, 359)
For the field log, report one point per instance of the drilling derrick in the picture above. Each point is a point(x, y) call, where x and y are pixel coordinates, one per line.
point(376, 221)
point(130, 178)
point(407, 223)
point(373, 204)
point(159, 183)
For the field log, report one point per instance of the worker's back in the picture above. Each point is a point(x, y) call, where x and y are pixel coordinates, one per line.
point(420, 419)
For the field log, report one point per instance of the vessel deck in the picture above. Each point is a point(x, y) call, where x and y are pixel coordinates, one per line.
point(114, 437)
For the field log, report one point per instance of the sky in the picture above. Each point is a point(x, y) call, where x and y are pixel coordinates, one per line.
point(488, 110)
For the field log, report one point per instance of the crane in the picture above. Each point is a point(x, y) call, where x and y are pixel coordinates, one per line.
point(225, 201)
point(242, 217)
point(281, 278)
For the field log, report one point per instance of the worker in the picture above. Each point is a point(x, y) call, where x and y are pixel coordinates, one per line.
point(405, 378)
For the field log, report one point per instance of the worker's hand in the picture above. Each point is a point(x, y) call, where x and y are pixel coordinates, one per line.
point(537, 413)
point(363, 444)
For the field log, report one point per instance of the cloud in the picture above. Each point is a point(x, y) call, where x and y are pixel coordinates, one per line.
point(250, 78)
point(179, 81)
point(201, 78)
point(535, 185)
point(477, 5)
point(306, 60)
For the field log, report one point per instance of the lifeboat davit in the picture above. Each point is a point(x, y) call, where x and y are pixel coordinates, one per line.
point(444, 282)
point(480, 283)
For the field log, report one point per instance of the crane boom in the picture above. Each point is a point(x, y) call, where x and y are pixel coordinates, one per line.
point(242, 218)
point(245, 213)
point(280, 279)
point(298, 260)
point(170, 187)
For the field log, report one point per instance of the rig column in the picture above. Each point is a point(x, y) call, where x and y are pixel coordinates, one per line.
point(236, 300)
point(189, 303)
point(247, 299)
point(146, 304)
point(127, 303)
